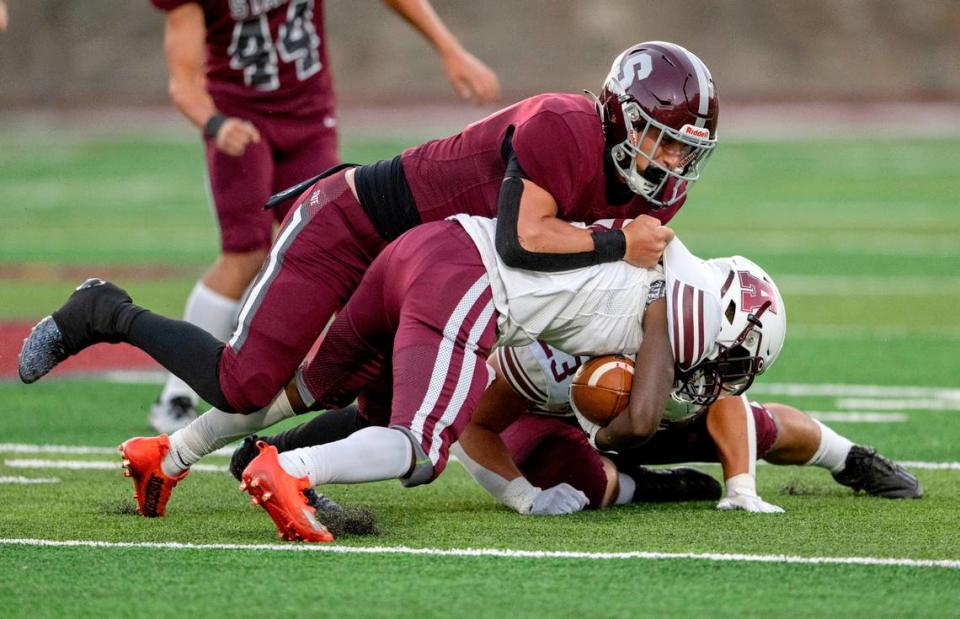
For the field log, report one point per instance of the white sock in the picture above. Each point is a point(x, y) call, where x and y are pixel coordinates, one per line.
point(215, 429)
point(370, 454)
point(628, 486)
point(832, 452)
point(212, 312)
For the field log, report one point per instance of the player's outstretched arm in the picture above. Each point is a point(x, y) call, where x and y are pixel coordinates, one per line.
point(730, 424)
point(483, 453)
point(469, 76)
point(652, 381)
point(184, 36)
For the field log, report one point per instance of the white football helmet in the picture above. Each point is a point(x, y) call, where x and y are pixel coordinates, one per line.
point(752, 331)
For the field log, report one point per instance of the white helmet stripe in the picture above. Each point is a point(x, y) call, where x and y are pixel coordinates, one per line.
point(703, 81)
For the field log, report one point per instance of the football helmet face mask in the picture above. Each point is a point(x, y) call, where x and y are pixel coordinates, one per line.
point(752, 332)
point(664, 92)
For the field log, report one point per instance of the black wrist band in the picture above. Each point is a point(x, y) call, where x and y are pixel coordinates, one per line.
point(212, 128)
point(609, 245)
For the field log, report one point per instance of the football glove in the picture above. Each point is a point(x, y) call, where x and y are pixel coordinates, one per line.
point(558, 500)
point(748, 503)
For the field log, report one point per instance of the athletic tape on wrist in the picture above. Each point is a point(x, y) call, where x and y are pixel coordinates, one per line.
point(610, 245)
point(212, 128)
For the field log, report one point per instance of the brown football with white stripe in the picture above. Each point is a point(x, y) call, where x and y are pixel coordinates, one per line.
point(600, 389)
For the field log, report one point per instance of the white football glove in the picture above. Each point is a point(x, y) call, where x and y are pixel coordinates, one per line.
point(558, 500)
point(748, 503)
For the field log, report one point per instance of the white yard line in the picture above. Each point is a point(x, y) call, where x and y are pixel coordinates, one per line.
point(923, 404)
point(99, 465)
point(28, 480)
point(495, 552)
point(864, 391)
point(23, 448)
point(859, 416)
point(27, 448)
point(933, 466)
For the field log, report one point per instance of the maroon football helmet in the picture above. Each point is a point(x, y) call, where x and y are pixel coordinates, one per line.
point(663, 90)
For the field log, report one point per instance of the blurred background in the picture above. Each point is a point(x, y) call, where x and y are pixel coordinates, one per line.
point(78, 56)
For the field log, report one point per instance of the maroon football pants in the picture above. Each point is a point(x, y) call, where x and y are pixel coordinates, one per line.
point(553, 450)
point(413, 340)
point(323, 249)
point(290, 150)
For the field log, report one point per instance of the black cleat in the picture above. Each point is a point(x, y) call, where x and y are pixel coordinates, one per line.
point(243, 454)
point(867, 470)
point(248, 451)
point(321, 502)
point(42, 350)
point(673, 485)
point(88, 317)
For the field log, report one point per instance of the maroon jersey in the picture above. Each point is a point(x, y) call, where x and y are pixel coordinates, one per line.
point(265, 55)
point(558, 141)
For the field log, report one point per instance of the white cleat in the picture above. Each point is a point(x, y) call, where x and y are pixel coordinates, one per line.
point(168, 417)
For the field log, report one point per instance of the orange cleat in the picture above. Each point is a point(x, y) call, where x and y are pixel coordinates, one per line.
point(151, 486)
point(281, 494)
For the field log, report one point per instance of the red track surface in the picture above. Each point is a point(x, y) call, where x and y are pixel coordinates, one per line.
point(99, 358)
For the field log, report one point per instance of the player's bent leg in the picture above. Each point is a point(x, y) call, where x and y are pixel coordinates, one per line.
point(156, 464)
point(101, 312)
point(184, 349)
point(798, 439)
point(315, 265)
point(803, 440)
point(741, 432)
point(551, 451)
point(370, 454)
point(213, 305)
point(326, 427)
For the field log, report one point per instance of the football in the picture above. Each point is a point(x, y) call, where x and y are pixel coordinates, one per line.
point(600, 389)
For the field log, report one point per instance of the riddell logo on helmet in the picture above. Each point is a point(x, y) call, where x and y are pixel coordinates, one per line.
point(701, 133)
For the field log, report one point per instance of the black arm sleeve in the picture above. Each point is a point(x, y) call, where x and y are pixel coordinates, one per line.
point(609, 246)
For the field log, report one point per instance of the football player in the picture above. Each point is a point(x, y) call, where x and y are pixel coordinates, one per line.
point(529, 407)
point(411, 346)
point(713, 353)
point(538, 164)
point(255, 79)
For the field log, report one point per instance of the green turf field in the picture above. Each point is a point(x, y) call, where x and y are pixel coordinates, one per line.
point(863, 238)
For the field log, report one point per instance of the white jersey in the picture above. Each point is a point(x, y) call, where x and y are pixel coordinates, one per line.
point(590, 311)
point(542, 374)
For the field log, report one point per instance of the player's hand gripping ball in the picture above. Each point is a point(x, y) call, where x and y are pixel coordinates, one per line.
point(600, 389)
